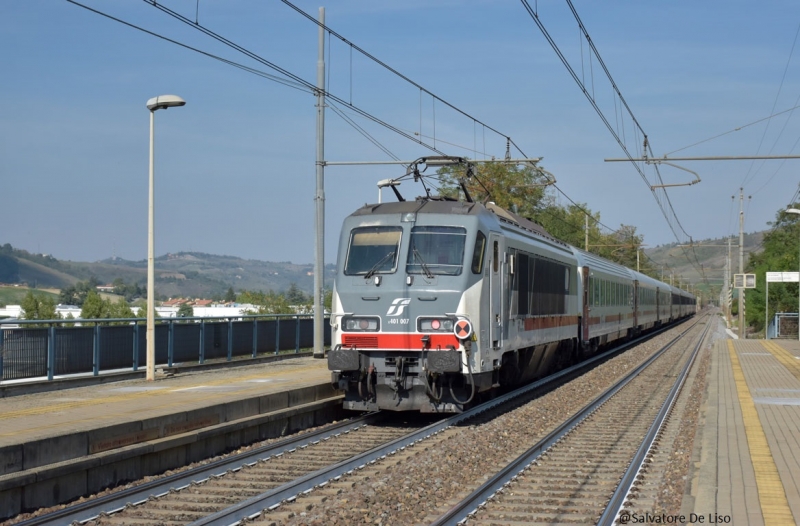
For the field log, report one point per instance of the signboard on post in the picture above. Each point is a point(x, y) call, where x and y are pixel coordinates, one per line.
point(744, 281)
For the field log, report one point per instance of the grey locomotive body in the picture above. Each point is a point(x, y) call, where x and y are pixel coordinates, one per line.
point(436, 301)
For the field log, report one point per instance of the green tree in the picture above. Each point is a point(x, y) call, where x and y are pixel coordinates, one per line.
point(76, 294)
point(38, 307)
point(295, 296)
point(230, 295)
point(266, 303)
point(94, 306)
point(781, 253)
point(185, 311)
point(97, 307)
point(119, 309)
point(519, 189)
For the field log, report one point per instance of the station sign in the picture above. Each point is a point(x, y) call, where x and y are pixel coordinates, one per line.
point(783, 277)
point(744, 281)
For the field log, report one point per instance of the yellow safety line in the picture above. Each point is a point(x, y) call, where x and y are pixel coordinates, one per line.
point(784, 356)
point(56, 407)
point(771, 495)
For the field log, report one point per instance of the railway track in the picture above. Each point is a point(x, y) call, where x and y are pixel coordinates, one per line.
point(175, 500)
point(286, 473)
point(584, 470)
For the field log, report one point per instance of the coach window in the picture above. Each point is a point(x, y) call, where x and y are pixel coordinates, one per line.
point(373, 250)
point(436, 250)
point(477, 254)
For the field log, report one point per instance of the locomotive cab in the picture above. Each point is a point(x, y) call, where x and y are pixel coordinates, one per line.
point(406, 296)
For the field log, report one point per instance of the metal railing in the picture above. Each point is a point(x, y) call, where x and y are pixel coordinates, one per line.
point(49, 348)
point(782, 325)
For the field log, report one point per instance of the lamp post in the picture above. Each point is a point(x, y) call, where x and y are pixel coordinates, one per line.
point(795, 211)
point(156, 103)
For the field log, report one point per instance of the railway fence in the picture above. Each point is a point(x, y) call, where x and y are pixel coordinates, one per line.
point(49, 348)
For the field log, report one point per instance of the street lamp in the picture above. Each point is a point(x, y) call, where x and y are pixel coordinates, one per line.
point(161, 102)
point(795, 211)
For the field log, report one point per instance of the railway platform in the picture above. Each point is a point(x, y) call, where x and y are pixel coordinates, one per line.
point(747, 447)
point(58, 445)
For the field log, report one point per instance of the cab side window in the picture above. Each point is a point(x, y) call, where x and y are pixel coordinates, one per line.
point(477, 254)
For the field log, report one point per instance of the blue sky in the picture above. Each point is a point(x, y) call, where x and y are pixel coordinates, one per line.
point(235, 169)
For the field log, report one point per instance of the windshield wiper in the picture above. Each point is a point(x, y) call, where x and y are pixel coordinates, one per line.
point(425, 269)
point(377, 265)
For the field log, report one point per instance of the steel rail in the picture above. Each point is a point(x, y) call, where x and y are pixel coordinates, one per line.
point(89, 510)
point(614, 506)
point(467, 507)
point(272, 499)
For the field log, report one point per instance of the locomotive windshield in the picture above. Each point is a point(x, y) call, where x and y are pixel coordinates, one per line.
point(373, 250)
point(436, 250)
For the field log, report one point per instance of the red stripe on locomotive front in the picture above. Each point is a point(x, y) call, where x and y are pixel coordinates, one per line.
point(398, 341)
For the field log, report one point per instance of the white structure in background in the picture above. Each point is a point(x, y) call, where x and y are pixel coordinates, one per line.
point(65, 311)
point(237, 309)
point(11, 311)
point(15, 311)
point(210, 311)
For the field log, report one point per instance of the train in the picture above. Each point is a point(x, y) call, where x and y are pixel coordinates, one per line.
point(438, 302)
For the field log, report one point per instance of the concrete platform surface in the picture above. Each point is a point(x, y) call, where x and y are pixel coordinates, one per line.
point(30, 418)
point(748, 444)
point(61, 445)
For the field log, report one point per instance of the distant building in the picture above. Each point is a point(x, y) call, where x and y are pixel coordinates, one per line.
point(11, 311)
point(105, 288)
point(68, 310)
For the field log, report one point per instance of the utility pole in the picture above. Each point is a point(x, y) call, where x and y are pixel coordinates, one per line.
point(586, 234)
point(637, 260)
point(741, 262)
point(727, 285)
point(319, 198)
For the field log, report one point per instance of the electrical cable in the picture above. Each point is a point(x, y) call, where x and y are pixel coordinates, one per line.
point(290, 84)
point(283, 71)
point(299, 82)
point(733, 130)
point(361, 130)
point(387, 67)
point(667, 210)
point(774, 104)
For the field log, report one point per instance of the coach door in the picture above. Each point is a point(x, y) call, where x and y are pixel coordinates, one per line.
point(635, 304)
point(496, 290)
point(585, 315)
point(658, 304)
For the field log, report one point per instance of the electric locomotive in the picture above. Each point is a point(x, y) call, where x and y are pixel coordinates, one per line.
point(436, 301)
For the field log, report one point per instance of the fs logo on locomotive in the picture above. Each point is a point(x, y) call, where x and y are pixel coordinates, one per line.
point(398, 306)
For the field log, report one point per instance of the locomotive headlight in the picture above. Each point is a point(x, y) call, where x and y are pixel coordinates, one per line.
point(360, 323)
point(435, 325)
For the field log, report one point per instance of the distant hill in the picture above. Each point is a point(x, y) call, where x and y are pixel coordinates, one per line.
point(200, 275)
point(710, 253)
point(185, 274)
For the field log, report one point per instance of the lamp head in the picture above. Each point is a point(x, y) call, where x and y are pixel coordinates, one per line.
point(162, 102)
